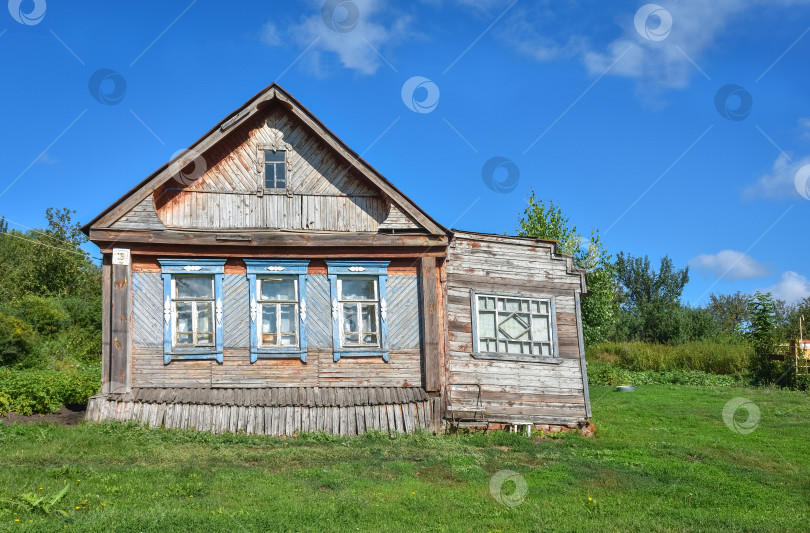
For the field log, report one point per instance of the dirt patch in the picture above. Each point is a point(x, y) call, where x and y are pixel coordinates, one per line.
point(68, 415)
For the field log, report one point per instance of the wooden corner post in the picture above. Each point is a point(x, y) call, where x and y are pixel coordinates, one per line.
point(119, 341)
point(430, 323)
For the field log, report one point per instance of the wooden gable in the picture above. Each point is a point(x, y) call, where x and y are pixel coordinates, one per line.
point(217, 184)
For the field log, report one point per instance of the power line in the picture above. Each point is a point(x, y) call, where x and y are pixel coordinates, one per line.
point(31, 229)
point(83, 254)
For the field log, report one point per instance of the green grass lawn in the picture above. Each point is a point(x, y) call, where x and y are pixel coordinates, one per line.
point(663, 460)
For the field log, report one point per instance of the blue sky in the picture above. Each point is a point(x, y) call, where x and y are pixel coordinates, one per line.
point(620, 112)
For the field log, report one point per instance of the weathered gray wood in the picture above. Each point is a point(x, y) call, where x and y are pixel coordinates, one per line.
point(424, 245)
point(119, 328)
point(428, 281)
point(252, 108)
point(106, 310)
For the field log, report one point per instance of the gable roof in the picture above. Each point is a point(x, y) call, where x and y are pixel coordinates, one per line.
point(272, 94)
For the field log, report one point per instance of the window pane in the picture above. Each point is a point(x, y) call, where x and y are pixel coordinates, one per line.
point(540, 328)
point(185, 339)
point(281, 175)
point(370, 338)
point(269, 176)
point(369, 318)
point(194, 286)
point(278, 289)
point(269, 324)
point(515, 326)
point(184, 311)
point(486, 303)
point(350, 323)
point(288, 340)
point(486, 325)
point(512, 305)
point(358, 289)
point(289, 319)
point(270, 156)
point(205, 338)
point(205, 314)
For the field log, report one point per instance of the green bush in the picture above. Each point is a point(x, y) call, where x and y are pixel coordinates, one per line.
point(607, 374)
point(17, 340)
point(46, 315)
point(42, 391)
point(705, 356)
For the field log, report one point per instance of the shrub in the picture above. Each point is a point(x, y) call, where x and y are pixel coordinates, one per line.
point(705, 356)
point(46, 315)
point(17, 340)
point(42, 391)
point(605, 374)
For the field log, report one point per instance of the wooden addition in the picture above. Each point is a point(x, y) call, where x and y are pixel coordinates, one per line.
point(270, 281)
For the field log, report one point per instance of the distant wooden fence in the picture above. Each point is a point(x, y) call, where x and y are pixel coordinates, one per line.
point(281, 411)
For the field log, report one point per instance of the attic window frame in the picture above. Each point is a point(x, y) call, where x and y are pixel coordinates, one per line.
point(277, 146)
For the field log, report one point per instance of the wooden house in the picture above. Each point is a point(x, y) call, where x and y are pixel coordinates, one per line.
point(270, 281)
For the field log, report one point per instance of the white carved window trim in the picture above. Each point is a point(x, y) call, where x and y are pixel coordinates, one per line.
point(378, 306)
point(299, 312)
point(195, 302)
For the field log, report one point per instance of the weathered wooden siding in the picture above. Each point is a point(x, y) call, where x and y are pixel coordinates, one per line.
point(235, 311)
point(148, 370)
point(320, 370)
point(142, 216)
point(147, 310)
point(327, 194)
point(403, 314)
point(273, 411)
point(320, 312)
point(513, 391)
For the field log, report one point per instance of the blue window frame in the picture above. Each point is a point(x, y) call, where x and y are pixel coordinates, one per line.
point(359, 308)
point(278, 308)
point(192, 309)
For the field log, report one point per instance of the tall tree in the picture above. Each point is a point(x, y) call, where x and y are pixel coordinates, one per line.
point(650, 300)
point(762, 333)
point(545, 220)
point(47, 262)
point(730, 312)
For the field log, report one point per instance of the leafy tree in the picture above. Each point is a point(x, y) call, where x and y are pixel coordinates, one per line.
point(640, 284)
point(545, 220)
point(730, 311)
point(50, 296)
point(762, 334)
point(650, 300)
point(47, 262)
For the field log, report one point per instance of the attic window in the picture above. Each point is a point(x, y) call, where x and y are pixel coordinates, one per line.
point(275, 170)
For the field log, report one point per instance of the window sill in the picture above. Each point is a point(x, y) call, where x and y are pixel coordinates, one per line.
point(520, 358)
point(295, 353)
point(360, 352)
point(192, 356)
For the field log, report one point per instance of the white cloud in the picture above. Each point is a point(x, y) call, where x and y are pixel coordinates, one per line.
point(270, 34)
point(791, 287)
point(666, 64)
point(730, 264)
point(359, 48)
point(780, 182)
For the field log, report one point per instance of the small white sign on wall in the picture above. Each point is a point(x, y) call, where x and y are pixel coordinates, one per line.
point(120, 256)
